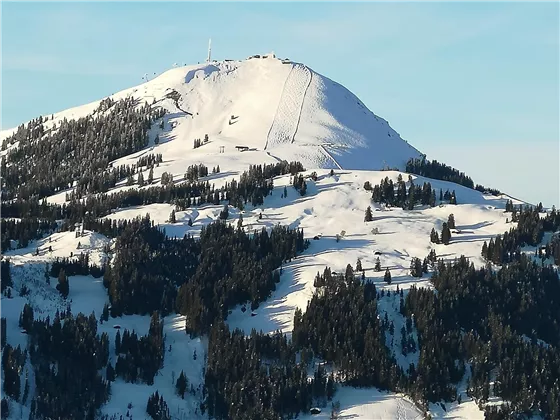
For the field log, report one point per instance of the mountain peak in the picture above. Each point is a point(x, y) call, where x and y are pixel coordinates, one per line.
point(273, 105)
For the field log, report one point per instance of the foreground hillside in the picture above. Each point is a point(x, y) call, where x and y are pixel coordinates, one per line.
point(334, 203)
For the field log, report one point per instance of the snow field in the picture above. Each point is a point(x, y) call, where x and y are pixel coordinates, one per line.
point(369, 404)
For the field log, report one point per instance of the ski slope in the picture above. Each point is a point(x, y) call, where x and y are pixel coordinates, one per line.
point(286, 121)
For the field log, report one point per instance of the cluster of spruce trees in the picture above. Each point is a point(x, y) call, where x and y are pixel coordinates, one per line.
point(13, 360)
point(478, 316)
point(67, 355)
point(196, 171)
point(147, 268)
point(268, 381)
point(399, 195)
point(139, 358)
point(24, 230)
point(253, 186)
point(341, 325)
point(484, 317)
point(157, 408)
point(530, 230)
point(299, 184)
point(149, 161)
point(223, 268)
point(234, 268)
point(434, 169)
point(76, 266)
point(73, 150)
point(103, 181)
point(445, 236)
point(5, 274)
point(552, 249)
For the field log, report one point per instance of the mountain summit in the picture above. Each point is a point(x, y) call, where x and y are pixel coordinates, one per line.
point(277, 106)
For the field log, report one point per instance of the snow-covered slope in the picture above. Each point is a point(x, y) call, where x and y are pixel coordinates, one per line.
point(267, 104)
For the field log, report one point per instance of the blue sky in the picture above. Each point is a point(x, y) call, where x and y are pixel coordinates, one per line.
point(475, 85)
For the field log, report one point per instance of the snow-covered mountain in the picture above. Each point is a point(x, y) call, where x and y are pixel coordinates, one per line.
point(279, 110)
point(283, 108)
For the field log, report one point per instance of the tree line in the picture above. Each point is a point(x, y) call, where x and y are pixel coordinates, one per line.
point(436, 170)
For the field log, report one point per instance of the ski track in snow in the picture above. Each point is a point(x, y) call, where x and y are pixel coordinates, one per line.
point(285, 124)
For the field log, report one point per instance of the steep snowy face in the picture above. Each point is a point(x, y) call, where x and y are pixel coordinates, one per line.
point(279, 107)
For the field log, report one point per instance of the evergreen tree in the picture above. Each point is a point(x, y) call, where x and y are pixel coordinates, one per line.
point(47, 275)
point(433, 199)
point(5, 408)
point(63, 285)
point(453, 198)
point(181, 385)
point(25, 390)
point(105, 313)
point(411, 196)
point(303, 188)
point(451, 221)
point(484, 252)
point(445, 234)
point(224, 214)
point(369, 215)
point(118, 342)
point(359, 265)
point(151, 176)
point(416, 267)
point(377, 265)
point(26, 317)
point(434, 237)
point(387, 277)
point(110, 376)
point(140, 179)
point(172, 218)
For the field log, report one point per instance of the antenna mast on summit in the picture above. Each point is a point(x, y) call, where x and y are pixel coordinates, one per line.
point(209, 50)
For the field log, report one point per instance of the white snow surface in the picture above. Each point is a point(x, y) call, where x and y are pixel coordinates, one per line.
point(370, 404)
